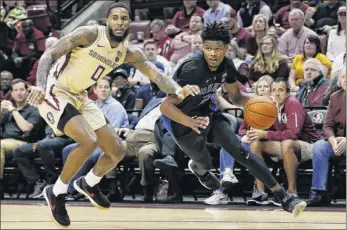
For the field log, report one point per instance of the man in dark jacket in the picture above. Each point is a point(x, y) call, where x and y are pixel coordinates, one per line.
point(312, 90)
point(293, 133)
point(122, 90)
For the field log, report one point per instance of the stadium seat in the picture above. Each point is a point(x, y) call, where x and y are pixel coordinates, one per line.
point(140, 26)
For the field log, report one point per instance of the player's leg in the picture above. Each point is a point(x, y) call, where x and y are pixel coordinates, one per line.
point(113, 152)
point(76, 127)
point(194, 145)
point(223, 136)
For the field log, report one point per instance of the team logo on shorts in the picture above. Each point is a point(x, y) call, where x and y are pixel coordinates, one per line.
point(50, 117)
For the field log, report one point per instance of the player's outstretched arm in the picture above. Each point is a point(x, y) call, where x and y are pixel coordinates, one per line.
point(169, 109)
point(82, 36)
point(236, 96)
point(164, 82)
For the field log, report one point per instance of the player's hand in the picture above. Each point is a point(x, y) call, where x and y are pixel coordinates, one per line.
point(36, 96)
point(341, 146)
point(256, 134)
point(188, 90)
point(245, 139)
point(199, 123)
point(122, 132)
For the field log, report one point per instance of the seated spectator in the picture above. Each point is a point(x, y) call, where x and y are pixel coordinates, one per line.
point(338, 63)
point(293, 133)
point(151, 52)
point(260, 29)
point(226, 161)
point(28, 47)
point(161, 38)
point(314, 86)
point(147, 92)
point(240, 35)
point(312, 49)
point(281, 18)
point(32, 75)
point(181, 44)
point(268, 62)
point(337, 37)
point(18, 122)
point(182, 17)
point(249, 9)
point(334, 144)
point(117, 117)
point(216, 11)
point(196, 47)
point(6, 79)
point(141, 143)
point(323, 14)
point(234, 53)
point(291, 43)
point(48, 149)
point(122, 90)
point(332, 88)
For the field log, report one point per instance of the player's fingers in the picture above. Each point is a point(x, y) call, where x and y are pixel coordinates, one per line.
point(32, 97)
point(196, 130)
point(196, 89)
point(190, 90)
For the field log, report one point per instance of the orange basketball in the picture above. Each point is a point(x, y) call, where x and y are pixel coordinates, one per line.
point(260, 112)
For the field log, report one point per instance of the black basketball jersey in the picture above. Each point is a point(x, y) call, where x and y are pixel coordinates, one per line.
point(195, 71)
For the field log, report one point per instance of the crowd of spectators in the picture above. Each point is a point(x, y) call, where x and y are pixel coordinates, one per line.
point(296, 53)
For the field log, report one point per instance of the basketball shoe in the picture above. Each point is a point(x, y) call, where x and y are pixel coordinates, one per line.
point(94, 194)
point(290, 202)
point(208, 180)
point(56, 206)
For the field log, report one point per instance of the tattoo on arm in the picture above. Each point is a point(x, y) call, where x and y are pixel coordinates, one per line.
point(164, 82)
point(83, 36)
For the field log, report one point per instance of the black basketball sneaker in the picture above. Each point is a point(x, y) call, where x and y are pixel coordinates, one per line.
point(94, 194)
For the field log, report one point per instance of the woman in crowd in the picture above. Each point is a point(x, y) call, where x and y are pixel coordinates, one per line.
point(337, 37)
point(234, 53)
point(312, 49)
point(268, 61)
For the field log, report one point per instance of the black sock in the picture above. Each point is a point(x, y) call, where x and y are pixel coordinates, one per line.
point(280, 193)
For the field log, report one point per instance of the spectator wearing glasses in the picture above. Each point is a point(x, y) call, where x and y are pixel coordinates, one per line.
point(312, 49)
point(314, 86)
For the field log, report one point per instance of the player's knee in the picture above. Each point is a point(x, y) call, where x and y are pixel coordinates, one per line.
point(89, 143)
point(117, 154)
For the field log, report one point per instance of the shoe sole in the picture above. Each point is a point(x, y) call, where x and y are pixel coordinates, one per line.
point(299, 208)
point(190, 168)
point(255, 203)
point(227, 184)
point(275, 203)
point(50, 211)
point(220, 202)
point(78, 189)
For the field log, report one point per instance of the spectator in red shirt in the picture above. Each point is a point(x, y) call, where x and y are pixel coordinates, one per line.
point(28, 47)
point(161, 38)
point(334, 129)
point(293, 133)
point(281, 18)
point(32, 75)
point(181, 19)
point(6, 81)
point(241, 35)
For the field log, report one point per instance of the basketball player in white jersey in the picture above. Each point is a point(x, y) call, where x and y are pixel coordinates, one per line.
point(64, 73)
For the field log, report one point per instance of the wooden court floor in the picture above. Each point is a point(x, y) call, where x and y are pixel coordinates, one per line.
point(35, 216)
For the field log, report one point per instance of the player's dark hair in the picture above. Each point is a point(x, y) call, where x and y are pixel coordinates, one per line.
point(216, 31)
point(118, 5)
point(282, 80)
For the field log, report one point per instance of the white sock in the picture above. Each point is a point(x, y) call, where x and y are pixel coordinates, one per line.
point(59, 187)
point(92, 179)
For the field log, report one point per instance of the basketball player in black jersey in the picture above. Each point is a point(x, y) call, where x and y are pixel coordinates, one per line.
point(195, 119)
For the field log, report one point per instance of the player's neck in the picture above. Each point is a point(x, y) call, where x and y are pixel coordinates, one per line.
point(113, 43)
point(213, 68)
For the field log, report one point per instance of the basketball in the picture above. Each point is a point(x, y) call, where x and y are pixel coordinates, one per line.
point(260, 112)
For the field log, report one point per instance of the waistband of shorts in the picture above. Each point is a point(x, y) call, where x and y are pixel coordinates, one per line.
point(67, 89)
